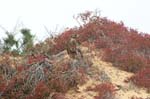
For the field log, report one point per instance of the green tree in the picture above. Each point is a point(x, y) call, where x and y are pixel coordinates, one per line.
point(9, 42)
point(27, 39)
point(1, 47)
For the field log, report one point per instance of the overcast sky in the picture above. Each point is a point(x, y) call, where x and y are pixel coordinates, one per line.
point(35, 14)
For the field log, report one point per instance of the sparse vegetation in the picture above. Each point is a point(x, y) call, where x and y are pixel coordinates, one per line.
point(105, 91)
point(41, 74)
point(142, 78)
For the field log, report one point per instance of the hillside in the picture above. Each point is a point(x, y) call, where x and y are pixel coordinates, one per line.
point(115, 64)
point(116, 77)
point(112, 74)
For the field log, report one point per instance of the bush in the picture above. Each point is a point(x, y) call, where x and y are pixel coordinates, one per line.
point(61, 41)
point(63, 78)
point(27, 39)
point(16, 47)
point(130, 62)
point(41, 91)
point(105, 91)
point(142, 78)
point(37, 79)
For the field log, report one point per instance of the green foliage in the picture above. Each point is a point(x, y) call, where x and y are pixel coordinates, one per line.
point(9, 42)
point(27, 39)
point(18, 46)
point(1, 47)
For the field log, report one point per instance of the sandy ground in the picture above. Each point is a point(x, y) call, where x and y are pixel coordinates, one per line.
point(116, 76)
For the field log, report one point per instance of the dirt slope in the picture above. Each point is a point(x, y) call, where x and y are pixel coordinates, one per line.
point(115, 76)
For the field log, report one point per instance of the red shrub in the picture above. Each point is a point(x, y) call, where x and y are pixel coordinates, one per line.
point(3, 83)
point(20, 68)
point(63, 78)
point(133, 56)
point(61, 41)
point(105, 91)
point(35, 58)
point(131, 62)
point(101, 44)
point(126, 57)
point(142, 78)
point(2, 86)
point(9, 91)
point(41, 91)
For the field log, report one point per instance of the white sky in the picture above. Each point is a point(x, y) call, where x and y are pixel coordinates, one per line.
point(35, 14)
